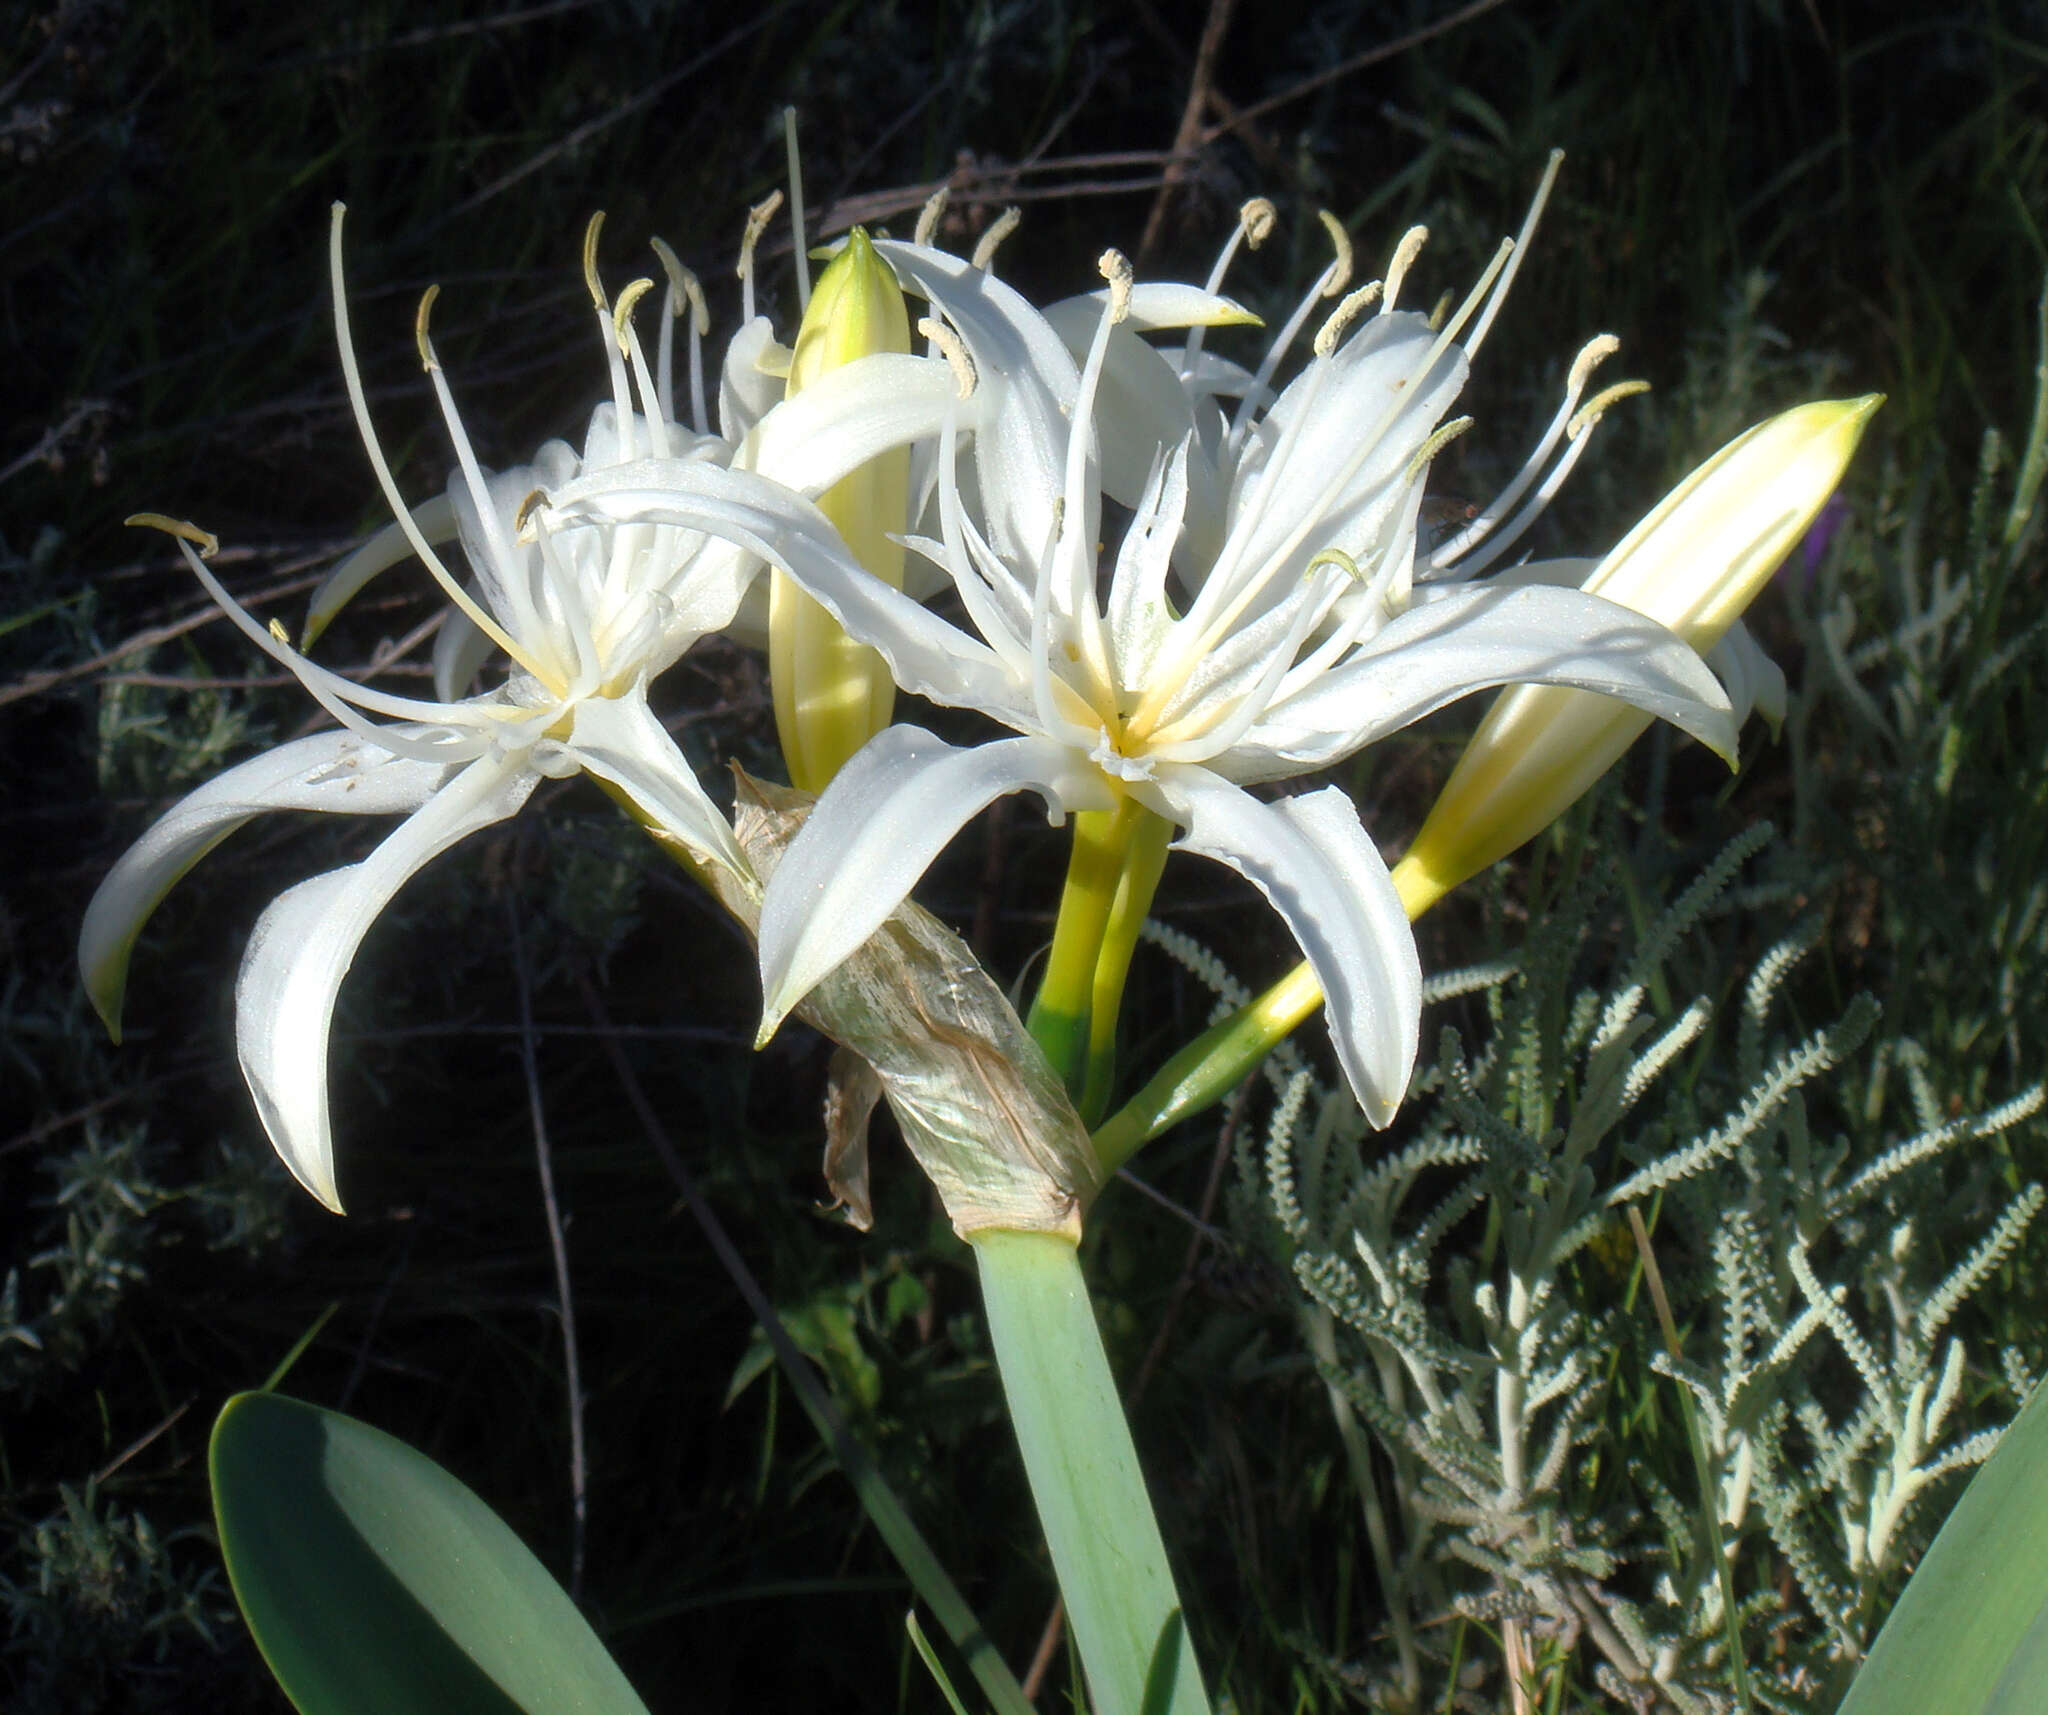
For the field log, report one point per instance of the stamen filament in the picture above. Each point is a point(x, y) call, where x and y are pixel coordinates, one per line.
point(401, 513)
point(796, 210)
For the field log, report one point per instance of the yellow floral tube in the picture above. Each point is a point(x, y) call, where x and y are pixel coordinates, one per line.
point(832, 694)
point(1694, 563)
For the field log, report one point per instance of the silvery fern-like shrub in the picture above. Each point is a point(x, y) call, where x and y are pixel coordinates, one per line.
point(1551, 1483)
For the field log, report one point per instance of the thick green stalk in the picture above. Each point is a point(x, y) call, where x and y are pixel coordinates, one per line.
point(1144, 862)
point(1059, 1014)
point(1092, 1503)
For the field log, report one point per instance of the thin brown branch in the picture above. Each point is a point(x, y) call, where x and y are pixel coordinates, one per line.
point(1201, 82)
point(1346, 68)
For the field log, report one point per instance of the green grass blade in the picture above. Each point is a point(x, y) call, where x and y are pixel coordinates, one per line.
point(1969, 1634)
point(373, 1580)
point(1091, 1497)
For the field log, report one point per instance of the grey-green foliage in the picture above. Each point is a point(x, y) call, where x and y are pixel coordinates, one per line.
point(96, 1599)
point(1473, 1298)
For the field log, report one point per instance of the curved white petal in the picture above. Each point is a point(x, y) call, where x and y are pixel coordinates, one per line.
point(303, 944)
point(434, 519)
point(1027, 384)
point(1313, 860)
point(1469, 640)
point(619, 740)
point(750, 381)
point(1140, 405)
point(926, 654)
point(850, 415)
point(460, 650)
point(1754, 682)
point(887, 814)
point(333, 771)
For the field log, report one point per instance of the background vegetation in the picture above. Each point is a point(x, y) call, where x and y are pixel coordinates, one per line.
point(1766, 200)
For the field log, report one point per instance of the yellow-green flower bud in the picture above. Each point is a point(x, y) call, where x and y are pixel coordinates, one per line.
point(1694, 563)
point(832, 694)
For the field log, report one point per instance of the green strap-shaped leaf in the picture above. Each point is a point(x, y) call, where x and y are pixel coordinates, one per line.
point(1969, 1634)
point(376, 1584)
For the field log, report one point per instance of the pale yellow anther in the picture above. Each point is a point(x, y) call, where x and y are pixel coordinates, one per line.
point(955, 354)
point(278, 632)
point(622, 311)
point(1597, 351)
point(1115, 267)
point(205, 541)
point(1334, 557)
point(590, 278)
point(999, 229)
point(758, 218)
point(684, 284)
point(1440, 310)
point(1590, 413)
point(929, 216)
point(1331, 333)
point(1257, 218)
point(1405, 253)
point(1436, 443)
point(428, 361)
point(1340, 269)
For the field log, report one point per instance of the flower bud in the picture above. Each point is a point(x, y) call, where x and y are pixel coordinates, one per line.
point(831, 694)
point(1694, 563)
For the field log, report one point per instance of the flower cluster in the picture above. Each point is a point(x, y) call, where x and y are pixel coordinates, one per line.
point(1271, 606)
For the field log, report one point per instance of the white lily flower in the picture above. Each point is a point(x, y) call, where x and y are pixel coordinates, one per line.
point(1298, 647)
point(586, 610)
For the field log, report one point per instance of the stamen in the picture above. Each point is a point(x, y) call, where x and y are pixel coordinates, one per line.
point(622, 311)
point(758, 218)
point(537, 498)
point(590, 278)
point(1436, 443)
point(1405, 253)
point(999, 229)
point(1589, 358)
point(1332, 331)
point(1522, 239)
point(954, 352)
point(796, 209)
point(657, 419)
point(352, 378)
point(428, 361)
point(929, 216)
point(1115, 267)
point(1441, 308)
point(1596, 407)
point(1333, 557)
point(683, 288)
point(205, 540)
point(1254, 223)
point(1339, 273)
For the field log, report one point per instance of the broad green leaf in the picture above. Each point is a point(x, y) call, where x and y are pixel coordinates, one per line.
point(1969, 1635)
point(376, 1584)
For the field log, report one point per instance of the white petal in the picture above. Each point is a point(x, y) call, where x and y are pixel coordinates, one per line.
point(926, 654)
point(303, 944)
point(1311, 858)
point(619, 740)
point(460, 651)
point(435, 520)
point(1469, 640)
point(334, 771)
point(1754, 681)
point(889, 812)
point(1140, 405)
point(746, 391)
point(1027, 385)
point(850, 415)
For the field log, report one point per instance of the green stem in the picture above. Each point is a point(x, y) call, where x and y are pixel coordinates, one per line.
point(1144, 862)
point(1208, 1068)
point(1059, 1014)
point(1083, 1469)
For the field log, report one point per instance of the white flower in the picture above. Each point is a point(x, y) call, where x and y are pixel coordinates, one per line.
point(1297, 647)
point(587, 611)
